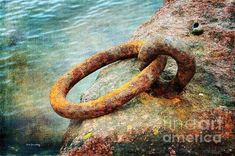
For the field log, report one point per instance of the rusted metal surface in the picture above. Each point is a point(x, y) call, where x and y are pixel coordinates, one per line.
point(185, 61)
point(116, 98)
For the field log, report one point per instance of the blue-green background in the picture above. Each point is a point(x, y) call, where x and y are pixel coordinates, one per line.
point(39, 41)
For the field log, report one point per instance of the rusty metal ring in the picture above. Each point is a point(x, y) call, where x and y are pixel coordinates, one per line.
point(185, 61)
point(114, 99)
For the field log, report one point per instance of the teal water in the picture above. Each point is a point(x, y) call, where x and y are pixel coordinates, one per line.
point(39, 41)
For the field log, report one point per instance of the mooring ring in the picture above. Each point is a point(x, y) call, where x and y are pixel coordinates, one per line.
point(185, 62)
point(114, 99)
point(138, 84)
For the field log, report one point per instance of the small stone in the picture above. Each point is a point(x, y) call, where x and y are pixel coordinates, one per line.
point(201, 94)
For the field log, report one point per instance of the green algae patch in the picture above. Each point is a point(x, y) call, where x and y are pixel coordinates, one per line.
point(87, 136)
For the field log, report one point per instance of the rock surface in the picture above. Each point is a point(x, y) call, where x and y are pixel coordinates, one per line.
point(204, 110)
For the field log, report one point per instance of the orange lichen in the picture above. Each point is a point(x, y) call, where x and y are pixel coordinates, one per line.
point(148, 99)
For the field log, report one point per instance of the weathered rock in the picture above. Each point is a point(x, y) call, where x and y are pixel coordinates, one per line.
point(204, 109)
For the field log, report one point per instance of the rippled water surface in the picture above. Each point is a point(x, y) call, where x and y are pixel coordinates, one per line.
point(39, 41)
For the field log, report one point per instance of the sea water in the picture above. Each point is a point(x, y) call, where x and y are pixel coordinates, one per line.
point(39, 41)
